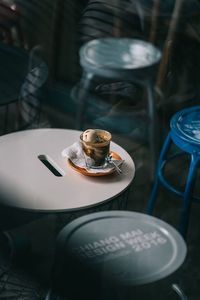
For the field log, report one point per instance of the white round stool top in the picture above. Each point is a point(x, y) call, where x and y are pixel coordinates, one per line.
point(26, 183)
point(118, 255)
point(126, 248)
point(119, 58)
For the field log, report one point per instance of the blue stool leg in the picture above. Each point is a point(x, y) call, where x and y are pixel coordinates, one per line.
point(188, 194)
point(154, 193)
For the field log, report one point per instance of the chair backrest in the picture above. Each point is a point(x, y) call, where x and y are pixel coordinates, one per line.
point(30, 95)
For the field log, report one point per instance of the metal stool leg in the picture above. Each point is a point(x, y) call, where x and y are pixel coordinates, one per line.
point(163, 154)
point(86, 83)
point(153, 140)
point(188, 194)
point(179, 292)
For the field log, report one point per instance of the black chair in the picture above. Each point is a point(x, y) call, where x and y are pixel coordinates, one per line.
point(23, 106)
point(16, 248)
point(30, 96)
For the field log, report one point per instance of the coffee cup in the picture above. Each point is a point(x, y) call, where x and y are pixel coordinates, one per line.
point(96, 147)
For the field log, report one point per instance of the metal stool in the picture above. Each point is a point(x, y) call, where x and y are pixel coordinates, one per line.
point(120, 59)
point(185, 134)
point(117, 255)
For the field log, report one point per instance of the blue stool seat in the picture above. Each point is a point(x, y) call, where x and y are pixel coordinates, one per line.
point(185, 134)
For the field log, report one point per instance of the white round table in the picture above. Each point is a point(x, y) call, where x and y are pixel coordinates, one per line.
point(26, 183)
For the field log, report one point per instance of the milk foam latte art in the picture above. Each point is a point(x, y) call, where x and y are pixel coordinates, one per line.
point(96, 147)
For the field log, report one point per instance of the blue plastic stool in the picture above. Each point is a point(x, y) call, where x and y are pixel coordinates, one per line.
point(185, 134)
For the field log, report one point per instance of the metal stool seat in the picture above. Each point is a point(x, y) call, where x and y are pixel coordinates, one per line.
point(185, 134)
point(119, 59)
point(117, 255)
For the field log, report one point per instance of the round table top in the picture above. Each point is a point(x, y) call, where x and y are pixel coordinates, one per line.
point(14, 64)
point(26, 183)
